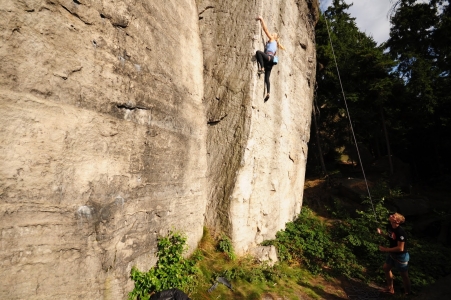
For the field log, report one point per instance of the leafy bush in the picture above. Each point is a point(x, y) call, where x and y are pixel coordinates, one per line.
point(311, 242)
point(171, 270)
point(349, 245)
point(225, 245)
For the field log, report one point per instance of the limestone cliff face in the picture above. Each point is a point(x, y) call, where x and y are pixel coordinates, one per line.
point(256, 150)
point(102, 142)
point(123, 119)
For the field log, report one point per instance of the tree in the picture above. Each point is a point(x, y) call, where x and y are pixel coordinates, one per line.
point(363, 75)
point(397, 93)
point(420, 42)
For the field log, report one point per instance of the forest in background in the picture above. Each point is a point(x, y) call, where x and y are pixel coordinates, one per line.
point(397, 93)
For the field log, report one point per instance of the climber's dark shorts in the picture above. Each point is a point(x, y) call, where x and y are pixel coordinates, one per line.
point(399, 261)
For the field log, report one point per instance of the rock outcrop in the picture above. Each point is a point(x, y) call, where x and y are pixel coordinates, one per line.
point(256, 150)
point(123, 120)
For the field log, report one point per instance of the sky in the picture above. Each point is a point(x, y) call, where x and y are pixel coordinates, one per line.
point(371, 16)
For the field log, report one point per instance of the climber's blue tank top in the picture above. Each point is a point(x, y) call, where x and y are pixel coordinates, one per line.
point(271, 48)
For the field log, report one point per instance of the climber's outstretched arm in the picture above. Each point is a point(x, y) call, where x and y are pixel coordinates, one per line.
point(265, 29)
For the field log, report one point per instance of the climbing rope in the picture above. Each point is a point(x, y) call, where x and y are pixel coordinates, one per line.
point(349, 117)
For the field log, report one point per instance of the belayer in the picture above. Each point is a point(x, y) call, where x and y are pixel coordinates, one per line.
point(265, 59)
point(397, 255)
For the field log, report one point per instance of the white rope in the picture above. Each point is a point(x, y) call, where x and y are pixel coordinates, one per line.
point(349, 117)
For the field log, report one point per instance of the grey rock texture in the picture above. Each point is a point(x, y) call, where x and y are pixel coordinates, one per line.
point(256, 150)
point(124, 119)
point(102, 142)
point(266, 254)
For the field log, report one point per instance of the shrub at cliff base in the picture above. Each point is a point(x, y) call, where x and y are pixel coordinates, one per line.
point(171, 270)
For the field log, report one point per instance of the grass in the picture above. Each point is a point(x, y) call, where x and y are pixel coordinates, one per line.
point(251, 279)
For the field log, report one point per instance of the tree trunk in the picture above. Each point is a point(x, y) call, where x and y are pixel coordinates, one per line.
point(320, 152)
point(378, 149)
point(386, 140)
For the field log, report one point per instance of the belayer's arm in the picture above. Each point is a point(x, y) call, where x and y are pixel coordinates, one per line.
point(398, 248)
point(381, 233)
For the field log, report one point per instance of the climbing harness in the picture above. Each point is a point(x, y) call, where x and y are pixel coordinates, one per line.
point(349, 117)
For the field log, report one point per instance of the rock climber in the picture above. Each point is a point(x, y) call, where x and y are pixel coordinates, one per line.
point(265, 59)
point(397, 255)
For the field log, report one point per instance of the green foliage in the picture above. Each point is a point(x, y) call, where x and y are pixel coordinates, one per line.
point(171, 270)
point(430, 260)
point(420, 36)
point(396, 93)
point(350, 245)
point(225, 245)
point(364, 78)
point(248, 277)
point(251, 272)
point(313, 243)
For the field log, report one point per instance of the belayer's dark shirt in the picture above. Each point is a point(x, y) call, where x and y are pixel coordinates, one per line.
point(396, 235)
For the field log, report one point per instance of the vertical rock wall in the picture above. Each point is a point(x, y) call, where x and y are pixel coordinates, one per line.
point(256, 150)
point(102, 143)
point(124, 119)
